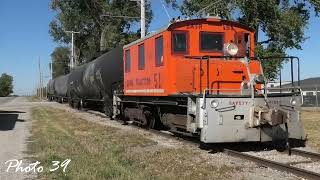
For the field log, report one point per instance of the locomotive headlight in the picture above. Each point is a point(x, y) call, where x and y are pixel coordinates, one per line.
point(214, 104)
point(293, 102)
point(231, 49)
point(259, 78)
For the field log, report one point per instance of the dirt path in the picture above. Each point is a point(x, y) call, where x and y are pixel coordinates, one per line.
point(15, 124)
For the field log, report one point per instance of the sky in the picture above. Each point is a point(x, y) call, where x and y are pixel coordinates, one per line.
point(24, 38)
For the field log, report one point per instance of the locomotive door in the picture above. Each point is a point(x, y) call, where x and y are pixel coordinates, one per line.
point(207, 75)
point(204, 75)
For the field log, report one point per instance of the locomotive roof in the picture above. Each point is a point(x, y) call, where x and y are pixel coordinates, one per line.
point(184, 21)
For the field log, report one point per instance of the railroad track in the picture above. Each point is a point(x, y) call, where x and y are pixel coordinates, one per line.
point(263, 162)
point(307, 154)
point(279, 166)
point(268, 163)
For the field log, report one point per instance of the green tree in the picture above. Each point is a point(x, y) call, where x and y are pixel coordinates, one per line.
point(6, 85)
point(97, 33)
point(60, 60)
point(282, 21)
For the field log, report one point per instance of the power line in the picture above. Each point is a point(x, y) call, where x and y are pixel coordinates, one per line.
point(165, 9)
point(207, 7)
point(142, 17)
point(119, 16)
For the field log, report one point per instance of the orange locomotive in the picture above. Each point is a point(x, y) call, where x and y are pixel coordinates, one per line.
point(169, 62)
point(199, 77)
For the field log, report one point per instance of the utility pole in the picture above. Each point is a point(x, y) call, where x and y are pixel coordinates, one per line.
point(51, 70)
point(72, 62)
point(40, 80)
point(317, 101)
point(143, 18)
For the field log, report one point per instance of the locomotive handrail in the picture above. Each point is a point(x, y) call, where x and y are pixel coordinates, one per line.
point(228, 108)
point(283, 90)
point(212, 90)
point(287, 107)
point(230, 57)
point(291, 62)
point(279, 88)
point(207, 58)
point(257, 58)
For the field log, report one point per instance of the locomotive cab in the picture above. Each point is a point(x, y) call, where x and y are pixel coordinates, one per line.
point(212, 55)
point(191, 56)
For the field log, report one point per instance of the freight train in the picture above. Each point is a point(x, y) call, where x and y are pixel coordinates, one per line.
point(194, 77)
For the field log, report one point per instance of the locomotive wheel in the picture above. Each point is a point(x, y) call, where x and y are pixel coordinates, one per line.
point(108, 111)
point(74, 104)
point(279, 145)
point(73, 100)
point(70, 102)
point(77, 104)
point(151, 120)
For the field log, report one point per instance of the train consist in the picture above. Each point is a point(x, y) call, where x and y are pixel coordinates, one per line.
point(195, 77)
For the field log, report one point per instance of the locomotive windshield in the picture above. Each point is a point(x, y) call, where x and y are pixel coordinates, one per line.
point(211, 41)
point(179, 42)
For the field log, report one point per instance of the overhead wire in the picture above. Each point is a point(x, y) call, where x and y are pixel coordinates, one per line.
point(207, 7)
point(165, 9)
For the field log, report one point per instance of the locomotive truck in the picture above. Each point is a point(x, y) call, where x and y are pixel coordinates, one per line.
point(194, 77)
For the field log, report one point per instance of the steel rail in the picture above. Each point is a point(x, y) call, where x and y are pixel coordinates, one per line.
point(275, 165)
point(308, 154)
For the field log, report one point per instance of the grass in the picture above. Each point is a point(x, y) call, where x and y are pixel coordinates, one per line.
point(311, 122)
point(102, 152)
point(33, 98)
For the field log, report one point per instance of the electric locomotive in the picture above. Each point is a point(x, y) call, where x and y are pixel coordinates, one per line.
point(200, 78)
point(194, 77)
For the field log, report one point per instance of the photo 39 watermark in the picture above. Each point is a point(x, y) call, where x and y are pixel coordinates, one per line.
point(15, 165)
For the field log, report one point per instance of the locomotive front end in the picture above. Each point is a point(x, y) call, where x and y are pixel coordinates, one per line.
point(231, 101)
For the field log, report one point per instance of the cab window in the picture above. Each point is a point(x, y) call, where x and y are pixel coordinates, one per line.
point(211, 41)
point(179, 42)
point(141, 57)
point(128, 63)
point(159, 51)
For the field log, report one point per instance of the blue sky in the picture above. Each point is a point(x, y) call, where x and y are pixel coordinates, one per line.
point(24, 38)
